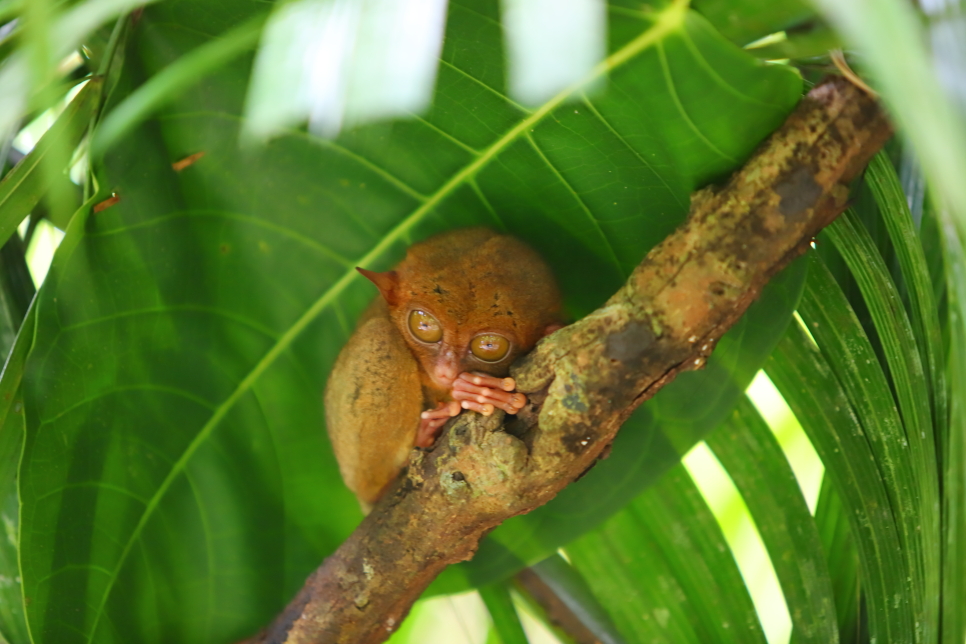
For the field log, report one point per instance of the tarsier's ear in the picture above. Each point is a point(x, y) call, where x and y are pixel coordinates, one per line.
point(387, 284)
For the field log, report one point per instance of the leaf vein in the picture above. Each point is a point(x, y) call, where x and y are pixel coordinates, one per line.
point(637, 154)
point(611, 254)
point(672, 90)
point(493, 90)
point(256, 221)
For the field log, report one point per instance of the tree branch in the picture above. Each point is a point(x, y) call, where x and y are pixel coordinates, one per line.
point(585, 380)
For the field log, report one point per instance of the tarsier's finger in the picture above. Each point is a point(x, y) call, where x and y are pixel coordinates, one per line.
point(444, 411)
point(465, 390)
point(511, 407)
point(510, 403)
point(484, 408)
point(483, 380)
point(428, 428)
point(483, 389)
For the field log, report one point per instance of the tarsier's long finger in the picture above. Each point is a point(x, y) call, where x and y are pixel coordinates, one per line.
point(484, 408)
point(487, 387)
point(510, 403)
point(483, 390)
point(428, 428)
point(431, 420)
point(443, 411)
point(483, 380)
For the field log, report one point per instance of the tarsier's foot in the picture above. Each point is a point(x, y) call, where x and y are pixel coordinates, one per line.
point(484, 393)
point(431, 420)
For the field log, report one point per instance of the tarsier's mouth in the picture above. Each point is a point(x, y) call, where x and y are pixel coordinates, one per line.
point(445, 381)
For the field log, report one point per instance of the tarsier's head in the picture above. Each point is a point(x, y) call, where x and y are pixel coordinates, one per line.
point(470, 300)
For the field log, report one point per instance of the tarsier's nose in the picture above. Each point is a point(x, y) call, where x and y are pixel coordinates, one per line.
point(446, 369)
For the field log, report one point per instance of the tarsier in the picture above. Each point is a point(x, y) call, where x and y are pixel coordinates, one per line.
point(452, 317)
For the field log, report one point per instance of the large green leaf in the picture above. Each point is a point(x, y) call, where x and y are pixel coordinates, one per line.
point(176, 482)
point(24, 185)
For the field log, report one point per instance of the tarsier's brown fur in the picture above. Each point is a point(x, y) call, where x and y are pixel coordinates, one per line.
point(473, 281)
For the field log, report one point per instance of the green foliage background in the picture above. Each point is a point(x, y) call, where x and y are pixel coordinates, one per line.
point(161, 408)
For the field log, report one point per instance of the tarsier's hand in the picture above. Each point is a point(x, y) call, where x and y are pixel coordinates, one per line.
point(431, 420)
point(477, 392)
point(484, 393)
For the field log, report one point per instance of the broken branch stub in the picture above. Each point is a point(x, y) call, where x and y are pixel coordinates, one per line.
point(584, 380)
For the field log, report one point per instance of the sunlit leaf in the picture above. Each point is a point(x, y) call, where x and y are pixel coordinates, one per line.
point(66, 32)
point(551, 45)
point(338, 62)
point(815, 396)
point(663, 570)
point(25, 184)
point(755, 462)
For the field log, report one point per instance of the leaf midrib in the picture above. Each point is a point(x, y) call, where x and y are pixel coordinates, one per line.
point(665, 22)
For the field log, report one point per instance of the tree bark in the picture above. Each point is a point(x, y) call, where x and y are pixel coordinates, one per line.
point(585, 380)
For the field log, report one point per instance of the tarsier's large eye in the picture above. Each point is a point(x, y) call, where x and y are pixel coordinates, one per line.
point(425, 327)
point(489, 347)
